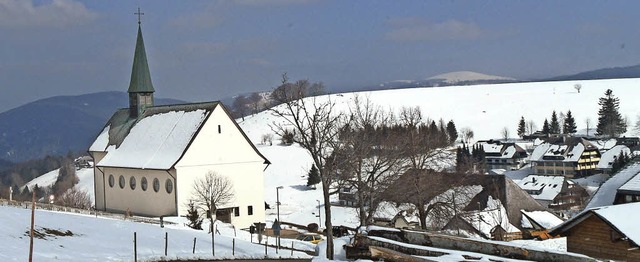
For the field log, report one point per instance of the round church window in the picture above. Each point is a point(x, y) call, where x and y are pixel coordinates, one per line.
point(121, 181)
point(112, 180)
point(132, 183)
point(143, 183)
point(169, 186)
point(156, 184)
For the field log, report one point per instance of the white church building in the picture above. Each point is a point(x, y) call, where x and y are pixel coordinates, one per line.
point(148, 157)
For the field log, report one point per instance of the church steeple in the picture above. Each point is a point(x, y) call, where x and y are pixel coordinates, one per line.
point(140, 88)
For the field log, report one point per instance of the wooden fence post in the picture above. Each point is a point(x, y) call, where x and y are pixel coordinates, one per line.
point(135, 248)
point(194, 246)
point(166, 242)
point(233, 247)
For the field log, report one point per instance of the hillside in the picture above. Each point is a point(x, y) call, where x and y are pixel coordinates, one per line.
point(604, 73)
point(57, 125)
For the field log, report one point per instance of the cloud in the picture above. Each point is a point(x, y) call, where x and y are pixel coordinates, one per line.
point(415, 29)
point(273, 2)
point(53, 14)
point(201, 19)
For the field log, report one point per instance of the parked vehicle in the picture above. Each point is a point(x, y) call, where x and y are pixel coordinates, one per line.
point(313, 238)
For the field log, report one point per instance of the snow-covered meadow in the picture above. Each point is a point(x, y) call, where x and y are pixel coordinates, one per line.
point(486, 109)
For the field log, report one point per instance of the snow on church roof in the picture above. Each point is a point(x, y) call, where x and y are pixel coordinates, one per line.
point(156, 141)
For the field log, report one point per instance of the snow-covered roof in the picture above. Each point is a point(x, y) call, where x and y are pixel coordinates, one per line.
point(607, 191)
point(155, 140)
point(495, 149)
point(567, 150)
point(494, 215)
point(606, 159)
point(544, 219)
point(548, 186)
point(632, 185)
point(617, 216)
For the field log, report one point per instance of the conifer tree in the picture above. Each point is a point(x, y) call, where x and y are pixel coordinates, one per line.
point(554, 127)
point(452, 132)
point(569, 124)
point(314, 176)
point(545, 127)
point(521, 127)
point(610, 122)
point(195, 221)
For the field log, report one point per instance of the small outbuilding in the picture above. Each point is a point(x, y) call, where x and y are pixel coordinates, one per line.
point(609, 232)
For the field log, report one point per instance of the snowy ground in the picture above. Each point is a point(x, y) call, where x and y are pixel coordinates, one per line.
point(487, 109)
point(105, 239)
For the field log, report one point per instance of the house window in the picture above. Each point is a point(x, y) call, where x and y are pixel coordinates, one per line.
point(219, 129)
point(169, 186)
point(112, 180)
point(143, 183)
point(156, 185)
point(132, 183)
point(250, 210)
point(236, 211)
point(121, 181)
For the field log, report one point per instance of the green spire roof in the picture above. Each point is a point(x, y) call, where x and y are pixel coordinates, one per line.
point(140, 76)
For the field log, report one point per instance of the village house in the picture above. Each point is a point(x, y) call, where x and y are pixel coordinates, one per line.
point(629, 192)
point(555, 192)
point(501, 155)
point(147, 158)
point(608, 232)
point(609, 156)
point(565, 156)
point(607, 192)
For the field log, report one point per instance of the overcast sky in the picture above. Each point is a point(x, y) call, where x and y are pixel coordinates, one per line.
point(208, 50)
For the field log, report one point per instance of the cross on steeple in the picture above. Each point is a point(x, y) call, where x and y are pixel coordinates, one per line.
point(139, 14)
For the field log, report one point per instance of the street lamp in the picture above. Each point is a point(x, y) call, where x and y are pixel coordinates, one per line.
point(278, 201)
point(319, 218)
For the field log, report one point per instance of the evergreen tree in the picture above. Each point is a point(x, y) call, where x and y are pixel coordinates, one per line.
point(610, 122)
point(545, 127)
point(521, 127)
point(554, 127)
point(313, 176)
point(195, 221)
point(452, 132)
point(569, 124)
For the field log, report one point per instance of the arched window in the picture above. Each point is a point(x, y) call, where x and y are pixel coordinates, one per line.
point(121, 181)
point(143, 183)
point(169, 186)
point(156, 185)
point(132, 183)
point(112, 180)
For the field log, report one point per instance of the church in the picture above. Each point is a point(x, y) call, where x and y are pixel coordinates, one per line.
point(147, 158)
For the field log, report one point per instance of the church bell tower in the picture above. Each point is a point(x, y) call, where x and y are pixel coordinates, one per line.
point(140, 88)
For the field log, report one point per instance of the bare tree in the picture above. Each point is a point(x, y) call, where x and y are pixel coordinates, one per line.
point(212, 191)
point(316, 124)
point(588, 123)
point(267, 139)
point(240, 106)
point(467, 135)
point(531, 127)
point(578, 87)
point(255, 100)
point(505, 133)
point(75, 198)
point(372, 159)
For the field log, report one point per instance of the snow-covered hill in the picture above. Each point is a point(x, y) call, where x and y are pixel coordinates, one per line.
point(466, 76)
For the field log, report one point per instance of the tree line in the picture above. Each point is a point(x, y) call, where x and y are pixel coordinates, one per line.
point(610, 122)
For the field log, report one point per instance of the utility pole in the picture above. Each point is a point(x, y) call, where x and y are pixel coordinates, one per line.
point(33, 212)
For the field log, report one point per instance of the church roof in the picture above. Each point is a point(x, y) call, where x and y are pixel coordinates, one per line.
point(140, 76)
point(157, 139)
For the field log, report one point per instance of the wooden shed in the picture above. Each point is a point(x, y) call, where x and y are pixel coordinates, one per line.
point(608, 232)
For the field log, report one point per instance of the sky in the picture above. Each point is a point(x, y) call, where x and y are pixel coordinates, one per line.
point(210, 50)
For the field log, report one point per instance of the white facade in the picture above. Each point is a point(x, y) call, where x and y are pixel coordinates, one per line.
point(177, 153)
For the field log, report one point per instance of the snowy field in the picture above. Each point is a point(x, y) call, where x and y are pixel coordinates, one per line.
point(486, 109)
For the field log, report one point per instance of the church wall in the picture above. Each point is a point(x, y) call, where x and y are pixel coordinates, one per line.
point(99, 180)
point(138, 201)
point(221, 147)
